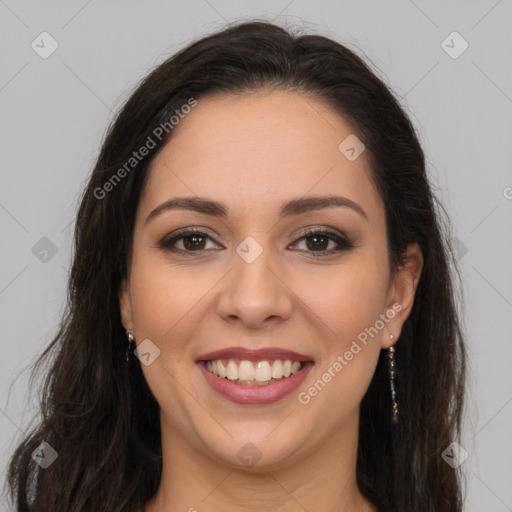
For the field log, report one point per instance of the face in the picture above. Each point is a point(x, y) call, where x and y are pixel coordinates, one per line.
point(261, 276)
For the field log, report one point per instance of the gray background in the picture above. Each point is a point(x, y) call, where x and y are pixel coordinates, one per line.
point(54, 112)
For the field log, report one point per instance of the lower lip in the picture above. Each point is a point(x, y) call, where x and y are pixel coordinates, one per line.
point(259, 395)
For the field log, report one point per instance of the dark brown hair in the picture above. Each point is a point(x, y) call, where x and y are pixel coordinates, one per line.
point(98, 412)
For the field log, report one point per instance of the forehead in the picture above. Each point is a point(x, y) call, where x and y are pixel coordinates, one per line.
point(259, 150)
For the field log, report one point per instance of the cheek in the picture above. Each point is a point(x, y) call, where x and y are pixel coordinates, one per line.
point(347, 299)
point(348, 309)
point(348, 302)
point(167, 300)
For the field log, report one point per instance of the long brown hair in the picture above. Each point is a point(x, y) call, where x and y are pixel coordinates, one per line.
point(97, 411)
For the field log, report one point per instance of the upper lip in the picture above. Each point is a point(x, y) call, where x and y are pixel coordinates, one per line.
point(255, 355)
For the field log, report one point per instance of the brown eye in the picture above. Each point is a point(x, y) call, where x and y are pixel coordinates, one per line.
point(191, 241)
point(318, 241)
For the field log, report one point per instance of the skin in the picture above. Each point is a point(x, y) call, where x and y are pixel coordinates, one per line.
point(255, 152)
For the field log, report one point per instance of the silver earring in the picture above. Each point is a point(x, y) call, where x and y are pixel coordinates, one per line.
point(392, 371)
point(131, 340)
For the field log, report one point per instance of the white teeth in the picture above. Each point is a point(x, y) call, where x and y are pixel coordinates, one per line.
point(249, 373)
point(287, 368)
point(232, 370)
point(246, 370)
point(262, 372)
point(277, 369)
point(221, 369)
point(295, 367)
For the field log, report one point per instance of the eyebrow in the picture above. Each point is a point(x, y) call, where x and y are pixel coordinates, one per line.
point(293, 207)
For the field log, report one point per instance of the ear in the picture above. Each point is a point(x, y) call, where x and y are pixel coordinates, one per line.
point(125, 306)
point(401, 294)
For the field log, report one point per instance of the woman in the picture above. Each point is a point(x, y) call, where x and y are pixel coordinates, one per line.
point(261, 309)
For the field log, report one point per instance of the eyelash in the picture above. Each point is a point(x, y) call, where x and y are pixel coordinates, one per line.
point(344, 244)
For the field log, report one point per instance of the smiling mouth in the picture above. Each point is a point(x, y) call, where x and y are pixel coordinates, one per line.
point(260, 373)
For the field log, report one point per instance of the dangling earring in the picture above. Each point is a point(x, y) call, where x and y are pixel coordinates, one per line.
point(131, 340)
point(392, 370)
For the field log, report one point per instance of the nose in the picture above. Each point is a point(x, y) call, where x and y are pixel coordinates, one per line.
point(255, 294)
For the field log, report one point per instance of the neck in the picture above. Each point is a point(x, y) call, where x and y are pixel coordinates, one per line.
point(323, 480)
